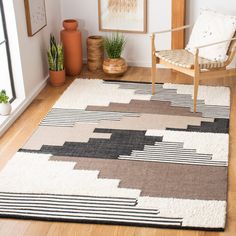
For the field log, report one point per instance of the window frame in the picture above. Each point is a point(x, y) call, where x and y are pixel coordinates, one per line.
point(8, 52)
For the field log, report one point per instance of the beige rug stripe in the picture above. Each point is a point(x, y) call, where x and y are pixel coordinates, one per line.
point(152, 121)
point(82, 132)
point(57, 136)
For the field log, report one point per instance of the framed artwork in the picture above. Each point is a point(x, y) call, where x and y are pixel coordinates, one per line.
point(123, 15)
point(35, 12)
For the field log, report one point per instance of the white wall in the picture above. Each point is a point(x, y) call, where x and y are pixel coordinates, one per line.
point(194, 7)
point(33, 49)
point(137, 50)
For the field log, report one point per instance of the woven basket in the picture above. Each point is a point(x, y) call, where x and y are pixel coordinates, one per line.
point(95, 52)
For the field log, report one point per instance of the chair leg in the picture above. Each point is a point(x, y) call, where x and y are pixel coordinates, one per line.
point(196, 84)
point(154, 72)
point(154, 62)
point(196, 79)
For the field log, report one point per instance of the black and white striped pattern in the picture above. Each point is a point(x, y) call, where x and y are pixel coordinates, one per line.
point(184, 100)
point(178, 100)
point(171, 152)
point(79, 208)
point(68, 117)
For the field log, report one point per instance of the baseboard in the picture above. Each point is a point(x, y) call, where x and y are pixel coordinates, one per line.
point(139, 64)
point(22, 107)
point(134, 63)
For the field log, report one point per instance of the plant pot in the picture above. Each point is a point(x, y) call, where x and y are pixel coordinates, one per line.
point(72, 43)
point(115, 67)
point(5, 109)
point(95, 53)
point(57, 78)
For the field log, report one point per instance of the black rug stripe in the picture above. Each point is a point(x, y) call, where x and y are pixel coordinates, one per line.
point(66, 196)
point(219, 125)
point(101, 222)
point(122, 142)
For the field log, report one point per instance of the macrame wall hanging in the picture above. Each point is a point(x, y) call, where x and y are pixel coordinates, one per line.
point(124, 6)
point(123, 15)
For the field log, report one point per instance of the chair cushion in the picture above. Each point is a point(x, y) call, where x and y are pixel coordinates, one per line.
point(183, 58)
point(212, 27)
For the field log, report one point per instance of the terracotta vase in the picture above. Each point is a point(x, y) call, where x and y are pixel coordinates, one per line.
point(95, 52)
point(115, 67)
point(72, 42)
point(57, 78)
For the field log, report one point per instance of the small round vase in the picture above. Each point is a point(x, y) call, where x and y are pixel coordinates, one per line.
point(72, 43)
point(115, 67)
point(5, 109)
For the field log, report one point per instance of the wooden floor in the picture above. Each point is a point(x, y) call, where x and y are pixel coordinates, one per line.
point(28, 122)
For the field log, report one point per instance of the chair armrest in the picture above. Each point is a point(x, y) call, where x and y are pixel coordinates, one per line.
point(215, 43)
point(172, 30)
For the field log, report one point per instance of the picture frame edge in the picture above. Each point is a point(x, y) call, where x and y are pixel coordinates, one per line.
point(28, 19)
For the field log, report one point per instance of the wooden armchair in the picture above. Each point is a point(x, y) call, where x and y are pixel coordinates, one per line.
point(187, 63)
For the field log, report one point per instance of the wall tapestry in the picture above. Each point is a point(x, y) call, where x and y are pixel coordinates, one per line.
point(123, 15)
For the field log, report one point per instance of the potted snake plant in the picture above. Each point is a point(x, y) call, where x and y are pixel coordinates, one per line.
point(114, 45)
point(56, 63)
point(5, 106)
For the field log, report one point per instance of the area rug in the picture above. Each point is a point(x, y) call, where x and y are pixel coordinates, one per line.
point(112, 153)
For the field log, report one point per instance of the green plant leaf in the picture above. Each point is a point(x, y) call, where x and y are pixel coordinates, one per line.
point(55, 55)
point(114, 45)
point(3, 97)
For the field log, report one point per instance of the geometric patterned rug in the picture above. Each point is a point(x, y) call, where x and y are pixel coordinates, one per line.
point(112, 153)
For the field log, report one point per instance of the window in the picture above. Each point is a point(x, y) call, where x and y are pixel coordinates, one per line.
point(6, 76)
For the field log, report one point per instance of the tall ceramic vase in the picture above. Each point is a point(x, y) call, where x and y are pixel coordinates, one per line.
point(72, 42)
